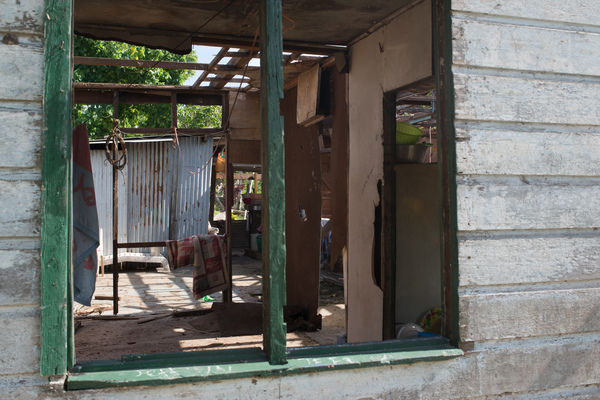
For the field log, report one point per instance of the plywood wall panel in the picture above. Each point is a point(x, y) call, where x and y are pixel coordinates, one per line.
point(302, 191)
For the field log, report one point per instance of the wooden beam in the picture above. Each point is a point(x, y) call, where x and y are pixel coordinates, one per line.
point(55, 253)
point(273, 169)
point(86, 96)
point(222, 79)
point(136, 86)
point(117, 62)
point(246, 43)
point(213, 64)
point(167, 131)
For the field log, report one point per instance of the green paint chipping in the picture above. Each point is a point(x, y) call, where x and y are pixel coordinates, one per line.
point(300, 361)
point(56, 158)
point(273, 167)
point(442, 34)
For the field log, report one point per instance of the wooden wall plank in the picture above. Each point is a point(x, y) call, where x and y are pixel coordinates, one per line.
point(522, 99)
point(20, 142)
point(22, 198)
point(303, 190)
point(583, 12)
point(406, 48)
point(23, 16)
point(244, 152)
point(529, 314)
point(308, 95)
point(507, 46)
point(364, 318)
point(23, 62)
point(19, 274)
point(528, 260)
point(245, 133)
point(513, 152)
point(20, 344)
point(338, 205)
point(527, 203)
point(246, 112)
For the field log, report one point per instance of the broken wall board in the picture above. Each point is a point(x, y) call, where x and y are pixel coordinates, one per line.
point(308, 97)
point(339, 165)
point(375, 68)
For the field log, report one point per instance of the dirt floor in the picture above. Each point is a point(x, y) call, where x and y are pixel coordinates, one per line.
point(150, 320)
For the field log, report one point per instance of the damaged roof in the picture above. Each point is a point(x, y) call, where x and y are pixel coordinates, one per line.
point(177, 24)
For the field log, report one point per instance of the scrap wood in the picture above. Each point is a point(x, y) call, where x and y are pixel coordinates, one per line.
point(106, 317)
point(192, 313)
point(143, 321)
point(103, 297)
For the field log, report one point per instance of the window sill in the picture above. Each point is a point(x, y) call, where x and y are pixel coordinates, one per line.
point(172, 368)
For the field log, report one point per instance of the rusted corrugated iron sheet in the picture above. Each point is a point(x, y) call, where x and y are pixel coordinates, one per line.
point(163, 198)
point(103, 186)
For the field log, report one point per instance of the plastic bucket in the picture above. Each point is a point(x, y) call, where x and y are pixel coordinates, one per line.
point(407, 134)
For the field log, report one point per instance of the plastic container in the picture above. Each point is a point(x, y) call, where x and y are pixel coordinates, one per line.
point(407, 134)
point(259, 243)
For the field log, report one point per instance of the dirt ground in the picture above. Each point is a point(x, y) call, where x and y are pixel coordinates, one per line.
point(149, 297)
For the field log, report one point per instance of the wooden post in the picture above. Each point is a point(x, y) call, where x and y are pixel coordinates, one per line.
point(273, 172)
point(55, 254)
point(228, 294)
point(115, 212)
point(174, 110)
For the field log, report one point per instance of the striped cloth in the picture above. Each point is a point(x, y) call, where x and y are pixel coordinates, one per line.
point(207, 254)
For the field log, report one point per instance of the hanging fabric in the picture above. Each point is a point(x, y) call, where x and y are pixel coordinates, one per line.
point(85, 220)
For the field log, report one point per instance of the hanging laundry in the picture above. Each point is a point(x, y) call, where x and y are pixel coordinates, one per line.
point(85, 220)
point(207, 254)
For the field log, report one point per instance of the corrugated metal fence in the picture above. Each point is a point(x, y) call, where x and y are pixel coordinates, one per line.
point(160, 198)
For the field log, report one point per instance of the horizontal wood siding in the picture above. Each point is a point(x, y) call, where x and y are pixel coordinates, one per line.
point(20, 344)
point(21, 77)
point(512, 261)
point(22, 16)
point(21, 58)
point(527, 80)
point(21, 124)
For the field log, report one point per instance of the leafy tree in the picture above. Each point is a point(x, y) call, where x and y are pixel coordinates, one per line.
point(99, 116)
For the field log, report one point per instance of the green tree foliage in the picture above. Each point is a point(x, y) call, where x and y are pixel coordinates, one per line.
point(99, 116)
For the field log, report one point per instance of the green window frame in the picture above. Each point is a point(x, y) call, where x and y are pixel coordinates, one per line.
point(57, 348)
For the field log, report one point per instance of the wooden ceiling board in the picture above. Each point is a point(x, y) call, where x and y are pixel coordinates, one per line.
point(170, 23)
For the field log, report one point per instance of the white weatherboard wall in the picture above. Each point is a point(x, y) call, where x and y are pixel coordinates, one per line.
point(508, 275)
point(527, 83)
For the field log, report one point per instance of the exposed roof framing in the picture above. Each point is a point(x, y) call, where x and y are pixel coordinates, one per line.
point(318, 26)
